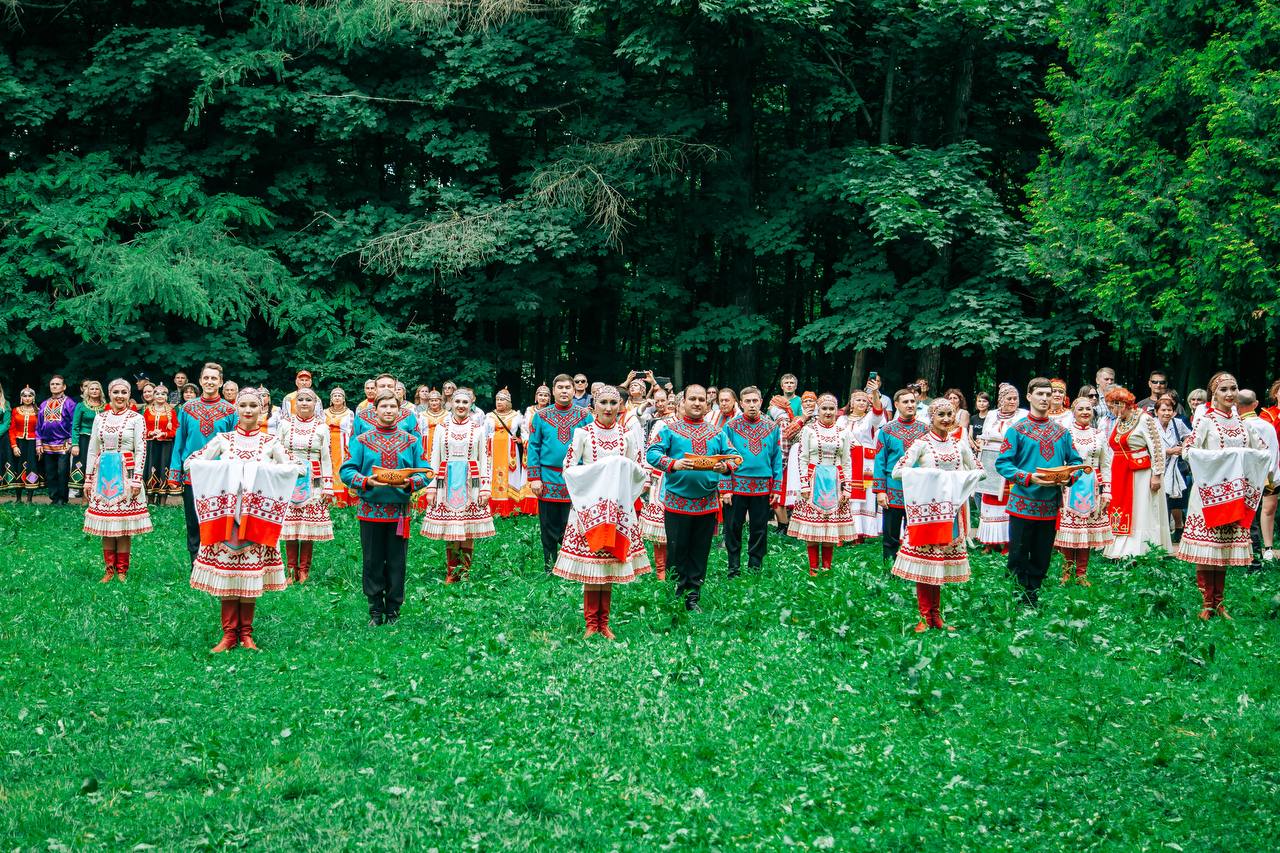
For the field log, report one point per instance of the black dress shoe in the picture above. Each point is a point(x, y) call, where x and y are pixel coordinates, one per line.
point(392, 618)
point(376, 619)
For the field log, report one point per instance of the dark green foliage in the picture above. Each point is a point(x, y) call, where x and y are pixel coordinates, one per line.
point(790, 713)
point(726, 189)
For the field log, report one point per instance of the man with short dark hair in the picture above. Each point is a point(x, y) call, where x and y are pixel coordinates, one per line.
point(1030, 444)
point(690, 495)
point(755, 486)
point(581, 391)
point(549, 437)
point(53, 439)
point(367, 418)
point(1158, 384)
point(199, 420)
point(175, 396)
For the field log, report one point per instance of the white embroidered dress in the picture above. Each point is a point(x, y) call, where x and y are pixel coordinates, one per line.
point(250, 569)
point(1228, 544)
point(862, 433)
point(121, 433)
point(460, 458)
point(1092, 530)
point(993, 515)
point(653, 516)
point(935, 564)
point(577, 561)
point(307, 516)
point(823, 446)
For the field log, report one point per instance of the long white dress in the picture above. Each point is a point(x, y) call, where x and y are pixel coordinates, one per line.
point(251, 568)
point(993, 516)
point(306, 517)
point(1092, 530)
point(823, 446)
point(121, 433)
point(1228, 544)
point(577, 561)
point(862, 433)
point(935, 564)
point(1150, 526)
point(460, 458)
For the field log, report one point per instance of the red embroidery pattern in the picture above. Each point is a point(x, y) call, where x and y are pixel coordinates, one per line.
point(563, 420)
point(698, 434)
point(207, 413)
point(387, 445)
point(755, 432)
point(1044, 433)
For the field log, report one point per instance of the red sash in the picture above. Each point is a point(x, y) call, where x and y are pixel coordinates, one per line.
point(858, 457)
point(1125, 462)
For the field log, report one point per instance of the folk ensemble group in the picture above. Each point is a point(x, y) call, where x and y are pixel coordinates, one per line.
point(257, 500)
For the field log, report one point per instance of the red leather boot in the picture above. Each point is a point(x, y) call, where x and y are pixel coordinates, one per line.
point(924, 602)
point(604, 598)
point(246, 625)
point(230, 626)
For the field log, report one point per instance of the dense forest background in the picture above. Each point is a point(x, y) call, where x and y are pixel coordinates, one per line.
point(498, 189)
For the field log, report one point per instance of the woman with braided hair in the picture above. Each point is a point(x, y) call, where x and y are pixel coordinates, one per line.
point(823, 517)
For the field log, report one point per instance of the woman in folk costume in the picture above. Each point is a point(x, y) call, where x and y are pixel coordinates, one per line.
point(653, 516)
point(234, 570)
point(339, 419)
point(305, 440)
point(603, 546)
point(92, 402)
point(458, 498)
point(116, 458)
point(823, 517)
point(1084, 523)
point(1216, 535)
point(993, 513)
point(862, 421)
point(506, 431)
point(161, 421)
point(791, 441)
point(931, 565)
point(24, 476)
point(1133, 467)
point(1060, 408)
point(429, 422)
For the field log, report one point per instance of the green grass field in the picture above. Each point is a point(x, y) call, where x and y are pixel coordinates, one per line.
point(792, 712)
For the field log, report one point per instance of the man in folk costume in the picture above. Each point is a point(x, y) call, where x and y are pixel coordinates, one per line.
point(892, 443)
point(53, 439)
point(938, 474)
point(367, 418)
point(690, 492)
point(458, 509)
point(755, 486)
point(1032, 443)
point(383, 510)
point(602, 542)
point(305, 438)
point(1229, 465)
point(199, 421)
point(240, 483)
point(289, 405)
point(1247, 406)
point(549, 438)
point(117, 498)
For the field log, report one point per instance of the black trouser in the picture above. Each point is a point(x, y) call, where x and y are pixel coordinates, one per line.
point(756, 508)
point(688, 546)
point(1030, 547)
point(57, 471)
point(553, 516)
point(193, 523)
point(385, 555)
point(891, 519)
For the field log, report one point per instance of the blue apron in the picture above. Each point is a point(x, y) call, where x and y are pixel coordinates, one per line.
point(826, 488)
point(455, 484)
point(108, 485)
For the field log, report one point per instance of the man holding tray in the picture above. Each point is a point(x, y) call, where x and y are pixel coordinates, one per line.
point(690, 498)
point(1032, 445)
point(383, 509)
